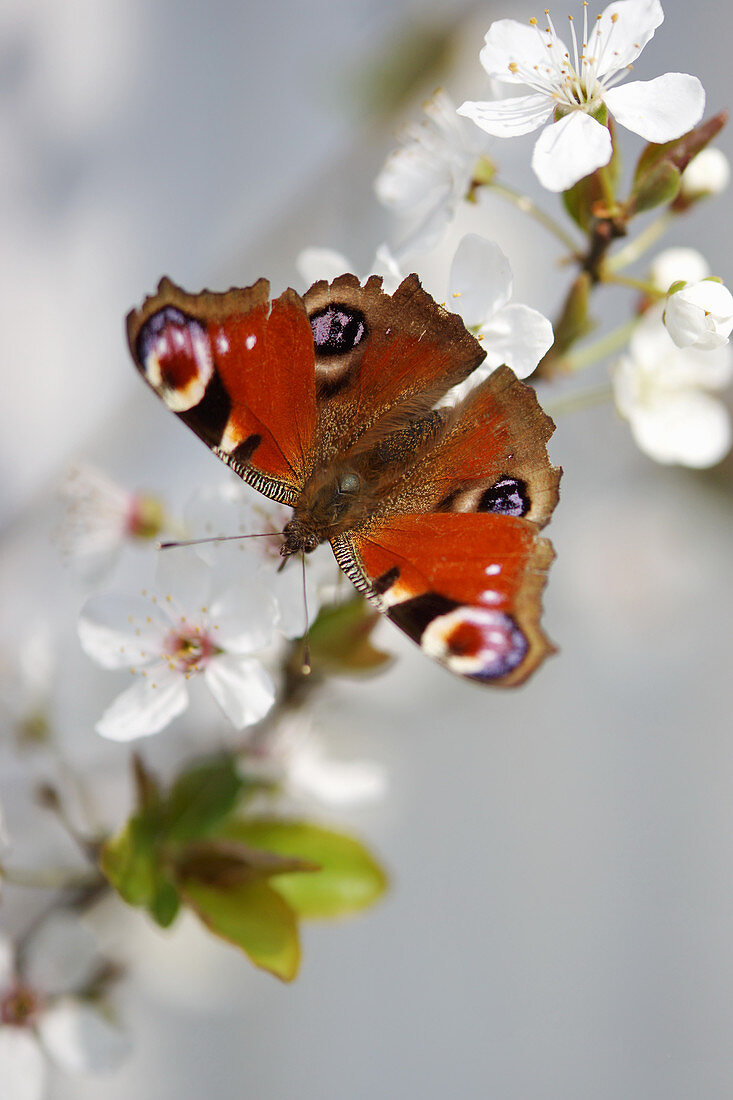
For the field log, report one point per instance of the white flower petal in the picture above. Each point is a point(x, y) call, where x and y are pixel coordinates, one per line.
point(119, 632)
point(570, 149)
point(7, 961)
point(621, 33)
point(430, 227)
point(689, 428)
point(518, 336)
point(480, 279)
point(430, 175)
point(385, 264)
point(287, 588)
point(62, 954)
point(22, 1067)
point(145, 708)
point(410, 176)
point(242, 687)
point(700, 315)
point(183, 580)
point(243, 618)
point(658, 110)
point(678, 264)
point(523, 47)
point(314, 264)
point(80, 1039)
point(663, 366)
point(335, 783)
point(234, 508)
point(509, 117)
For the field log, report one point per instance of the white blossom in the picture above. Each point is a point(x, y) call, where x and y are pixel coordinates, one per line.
point(568, 88)
point(167, 637)
point(325, 263)
point(665, 394)
point(700, 315)
point(431, 173)
point(236, 509)
point(294, 756)
point(44, 1013)
point(674, 265)
point(481, 286)
point(101, 517)
point(27, 675)
point(707, 174)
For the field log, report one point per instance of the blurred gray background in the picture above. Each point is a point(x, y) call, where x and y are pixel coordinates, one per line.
point(560, 923)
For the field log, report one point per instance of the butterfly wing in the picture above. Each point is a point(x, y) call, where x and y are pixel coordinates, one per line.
point(381, 359)
point(278, 390)
point(240, 371)
point(455, 559)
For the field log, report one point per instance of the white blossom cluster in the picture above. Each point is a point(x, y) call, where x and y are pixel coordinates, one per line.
point(665, 381)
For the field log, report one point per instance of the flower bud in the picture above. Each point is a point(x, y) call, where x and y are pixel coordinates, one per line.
point(675, 264)
point(707, 174)
point(700, 315)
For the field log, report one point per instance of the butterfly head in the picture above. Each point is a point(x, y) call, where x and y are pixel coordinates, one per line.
point(325, 507)
point(299, 538)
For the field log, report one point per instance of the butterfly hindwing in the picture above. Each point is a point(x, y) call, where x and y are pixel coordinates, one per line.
point(454, 556)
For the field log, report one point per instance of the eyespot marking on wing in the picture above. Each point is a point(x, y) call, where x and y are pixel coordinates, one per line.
point(337, 329)
point(174, 352)
point(475, 642)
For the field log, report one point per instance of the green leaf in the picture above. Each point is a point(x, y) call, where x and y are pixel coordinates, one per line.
point(200, 799)
point(680, 151)
point(128, 860)
point(165, 904)
point(146, 785)
point(224, 862)
point(654, 187)
point(340, 641)
point(349, 879)
point(253, 917)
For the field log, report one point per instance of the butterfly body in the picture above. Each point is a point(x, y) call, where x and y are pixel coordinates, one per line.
point(328, 403)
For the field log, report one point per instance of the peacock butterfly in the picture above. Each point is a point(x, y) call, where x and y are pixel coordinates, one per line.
point(330, 403)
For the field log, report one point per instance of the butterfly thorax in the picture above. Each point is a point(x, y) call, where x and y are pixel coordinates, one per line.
point(331, 502)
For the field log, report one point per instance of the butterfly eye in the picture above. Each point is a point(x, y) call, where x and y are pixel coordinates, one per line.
point(349, 483)
point(337, 329)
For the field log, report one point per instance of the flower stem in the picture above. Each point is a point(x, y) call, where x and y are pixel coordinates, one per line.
point(646, 288)
point(50, 878)
point(576, 402)
point(528, 206)
point(636, 248)
point(599, 349)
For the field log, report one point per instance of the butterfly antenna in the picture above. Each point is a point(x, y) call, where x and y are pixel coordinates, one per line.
point(213, 538)
point(306, 668)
